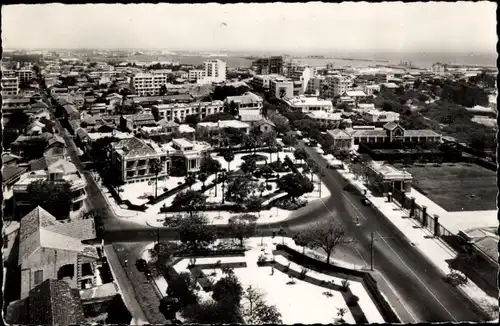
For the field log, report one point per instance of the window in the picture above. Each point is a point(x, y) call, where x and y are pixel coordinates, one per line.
point(38, 277)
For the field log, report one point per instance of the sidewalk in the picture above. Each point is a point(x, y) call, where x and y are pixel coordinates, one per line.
point(436, 251)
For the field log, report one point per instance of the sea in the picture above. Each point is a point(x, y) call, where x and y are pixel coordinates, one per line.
point(420, 60)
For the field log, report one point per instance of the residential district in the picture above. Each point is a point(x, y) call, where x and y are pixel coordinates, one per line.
point(277, 192)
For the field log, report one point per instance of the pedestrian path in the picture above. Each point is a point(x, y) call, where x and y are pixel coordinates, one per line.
point(436, 251)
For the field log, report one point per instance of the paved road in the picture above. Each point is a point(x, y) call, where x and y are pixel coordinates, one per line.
point(407, 270)
point(414, 278)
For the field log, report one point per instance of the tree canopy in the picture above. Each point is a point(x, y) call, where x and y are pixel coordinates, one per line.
point(53, 196)
point(190, 200)
point(295, 184)
point(194, 232)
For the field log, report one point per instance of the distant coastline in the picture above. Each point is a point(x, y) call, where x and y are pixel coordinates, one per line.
point(365, 60)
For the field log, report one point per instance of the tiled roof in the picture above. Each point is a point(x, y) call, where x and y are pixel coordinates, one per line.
point(11, 171)
point(40, 229)
point(339, 134)
point(422, 133)
point(369, 133)
point(391, 125)
point(167, 124)
point(134, 146)
point(56, 304)
point(8, 158)
point(263, 122)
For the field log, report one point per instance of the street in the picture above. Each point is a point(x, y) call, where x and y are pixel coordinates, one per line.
point(415, 280)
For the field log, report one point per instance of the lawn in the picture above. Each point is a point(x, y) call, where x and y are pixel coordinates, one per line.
point(456, 186)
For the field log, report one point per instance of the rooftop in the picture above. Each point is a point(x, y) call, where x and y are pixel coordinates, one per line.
point(388, 171)
point(325, 115)
point(308, 101)
point(246, 98)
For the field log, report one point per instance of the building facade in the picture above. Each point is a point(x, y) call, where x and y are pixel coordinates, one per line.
point(307, 104)
point(281, 88)
point(10, 86)
point(179, 111)
point(148, 84)
point(215, 71)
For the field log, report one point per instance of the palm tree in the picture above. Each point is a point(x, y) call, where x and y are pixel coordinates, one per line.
point(203, 177)
point(155, 168)
point(228, 157)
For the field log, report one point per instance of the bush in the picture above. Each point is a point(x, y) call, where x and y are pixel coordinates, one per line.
point(288, 204)
point(279, 166)
point(456, 278)
point(352, 301)
point(257, 157)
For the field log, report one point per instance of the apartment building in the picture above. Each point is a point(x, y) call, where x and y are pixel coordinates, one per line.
point(270, 65)
point(262, 82)
point(12, 104)
point(170, 112)
point(10, 86)
point(215, 71)
point(281, 88)
point(131, 157)
point(308, 104)
point(24, 75)
point(338, 85)
point(148, 84)
point(196, 74)
point(369, 89)
point(216, 127)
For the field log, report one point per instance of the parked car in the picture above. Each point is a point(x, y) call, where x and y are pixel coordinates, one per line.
point(141, 265)
point(147, 272)
point(365, 201)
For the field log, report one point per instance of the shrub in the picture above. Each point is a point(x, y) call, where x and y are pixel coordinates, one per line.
point(345, 285)
point(257, 157)
point(289, 204)
point(352, 301)
point(456, 278)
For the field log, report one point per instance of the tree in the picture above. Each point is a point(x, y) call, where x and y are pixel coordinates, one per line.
point(289, 139)
point(300, 154)
point(232, 109)
point(190, 200)
point(169, 306)
point(256, 311)
point(219, 116)
point(212, 312)
point(163, 90)
point(300, 239)
point(155, 166)
point(269, 138)
point(238, 189)
point(192, 119)
point(249, 165)
point(183, 287)
point(241, 228)
point(118, 313)
point(190, 179)
point(325, 235)
point(53, 196)
point(228, 157)
point(228, 288)
point(313, 168)
point(194, 232)
point(295, 184)
point(209, 165)
point(203, 177)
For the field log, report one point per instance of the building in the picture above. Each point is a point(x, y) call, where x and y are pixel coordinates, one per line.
point(249, 105)
point(307, 104)
point(51, 249)
point(379, 117)
point(148, 84)
point(215, 71)
point(385, 178)
point(50, 168)
point(10, 86)
point(391, 132)
point(133, 122)
point(355, 95)
point(131, 158)
point(262, 82)
point(24, 75)
point(327, 119)
point(368, 89)
point(216, 127)
point(12, 104)
point(439, 68)
point(270, 65)
point(179, 111)
point(196, 74)
point(281, 88)
point(264, 125)
point(338, 85)
point(52, 302)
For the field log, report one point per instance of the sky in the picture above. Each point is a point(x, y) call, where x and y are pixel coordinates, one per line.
point(343, 27)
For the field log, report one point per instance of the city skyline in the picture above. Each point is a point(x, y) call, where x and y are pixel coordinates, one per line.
point(297, 28)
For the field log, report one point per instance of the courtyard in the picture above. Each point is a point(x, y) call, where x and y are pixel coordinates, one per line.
point(456, 186)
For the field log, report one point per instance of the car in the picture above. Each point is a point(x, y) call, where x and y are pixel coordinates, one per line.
point(365, 201)
point(147, 272)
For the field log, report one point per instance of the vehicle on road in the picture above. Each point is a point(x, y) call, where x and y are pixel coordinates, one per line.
point(141, 265)
point(365, 201)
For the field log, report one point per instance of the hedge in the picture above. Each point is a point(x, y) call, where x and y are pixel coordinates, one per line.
point(168, 193)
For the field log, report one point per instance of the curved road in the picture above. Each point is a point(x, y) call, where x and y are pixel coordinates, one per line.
point(420, 285)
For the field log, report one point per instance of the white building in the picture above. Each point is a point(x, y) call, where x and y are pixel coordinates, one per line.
point(281, 88)
point(196, 74)
point(10, 86)
point(170, 112)
point(248, 104)
point(308, 104)
point(262, 82)
point(24, 75)
point(215, 71)
point(328, 119)
point(368, 89)
point(375, 116)
point(224, 124)
point(148, 83)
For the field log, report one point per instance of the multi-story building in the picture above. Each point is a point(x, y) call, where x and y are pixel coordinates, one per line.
point(148, 84)
point(439, 68)
point(262, 82)
point(308, 104)
point(131, 158)
point(10, 86)
point(368, 89)
point(170, 112)
point(339, 85)
point(24, 75)
point(327, 119)
point(12, 104)
point(281, 88)
point(196, 74)
point(51, 249)
point(57, 169)
point(216, 127)
point(270, 65)
point(248, 104)
point(215, 71)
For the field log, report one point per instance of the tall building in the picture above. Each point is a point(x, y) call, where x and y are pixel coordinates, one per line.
point(24, 75)
point(215, 71)
point(270, 65)
point(281, 88)
point(148, 84)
